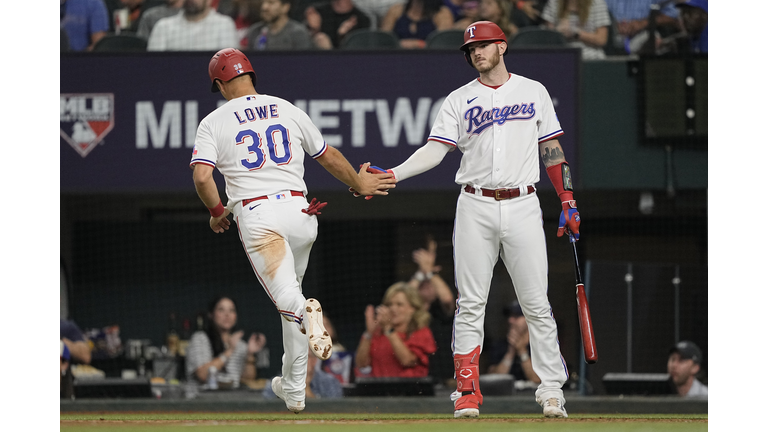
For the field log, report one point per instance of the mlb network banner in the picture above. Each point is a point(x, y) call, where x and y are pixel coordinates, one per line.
point(128, 122)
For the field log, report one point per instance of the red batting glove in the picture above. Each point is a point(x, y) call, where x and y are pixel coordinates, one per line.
point(314, 207)
point(569, 220)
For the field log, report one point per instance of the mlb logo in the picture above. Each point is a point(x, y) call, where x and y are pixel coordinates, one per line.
point(280, 196)
point(86, 118)
point(238, 68)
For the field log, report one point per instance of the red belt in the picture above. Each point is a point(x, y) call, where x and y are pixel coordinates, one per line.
point(250, 200)
point(499, 194)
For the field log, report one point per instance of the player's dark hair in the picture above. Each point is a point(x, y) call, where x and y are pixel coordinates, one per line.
point(213, 333)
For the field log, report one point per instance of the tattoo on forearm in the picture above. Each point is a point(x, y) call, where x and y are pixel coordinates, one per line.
point(552, 155)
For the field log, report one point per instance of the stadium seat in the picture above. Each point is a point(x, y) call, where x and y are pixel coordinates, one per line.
point(370, 39)
point(64, 40)
point(445, 39)
point(120, 43)
point(535, 36)
point(615, 44)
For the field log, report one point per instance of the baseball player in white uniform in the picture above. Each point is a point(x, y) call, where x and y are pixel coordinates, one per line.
point(501, 122)
point(258, 142)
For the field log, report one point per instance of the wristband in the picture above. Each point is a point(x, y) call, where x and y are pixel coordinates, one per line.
point(560, 176)
point(524, 357)
point(366, 336)
point(223, 358)
point(389, 332)
point(216, 211)
point(419, 276)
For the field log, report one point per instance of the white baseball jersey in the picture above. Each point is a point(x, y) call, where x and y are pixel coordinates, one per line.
point(497, 130)
point(258, 143)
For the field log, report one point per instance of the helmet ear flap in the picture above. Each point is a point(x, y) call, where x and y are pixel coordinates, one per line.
point(468, 58)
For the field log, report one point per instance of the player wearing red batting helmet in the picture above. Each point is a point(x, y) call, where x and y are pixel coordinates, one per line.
point(258, 143)
point(229, 63)
point(482, 31)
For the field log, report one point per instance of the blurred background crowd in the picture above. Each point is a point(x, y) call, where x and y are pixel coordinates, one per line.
point(599, 27)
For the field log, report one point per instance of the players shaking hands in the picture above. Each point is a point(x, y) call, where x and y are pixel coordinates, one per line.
point(381, 174)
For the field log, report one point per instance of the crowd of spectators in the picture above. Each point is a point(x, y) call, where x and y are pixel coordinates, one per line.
point(407, 335)
point(598, 27)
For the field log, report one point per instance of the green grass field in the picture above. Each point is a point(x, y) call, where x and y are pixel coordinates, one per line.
point(202, 422)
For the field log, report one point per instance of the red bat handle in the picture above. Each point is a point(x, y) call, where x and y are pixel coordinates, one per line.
point(585, 323)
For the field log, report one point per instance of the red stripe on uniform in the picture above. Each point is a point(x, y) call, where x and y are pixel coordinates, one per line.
point(552, 137)
point(442, 142)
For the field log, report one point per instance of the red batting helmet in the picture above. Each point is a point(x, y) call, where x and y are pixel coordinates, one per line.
point(228, 63)
point(481, 31)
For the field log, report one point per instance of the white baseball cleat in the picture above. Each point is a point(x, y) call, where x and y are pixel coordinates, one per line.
point(277, 388)
point(465, 406)
point(319, 340)
point(553, 407)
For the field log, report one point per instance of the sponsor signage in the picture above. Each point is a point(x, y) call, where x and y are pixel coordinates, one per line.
point(128, 123)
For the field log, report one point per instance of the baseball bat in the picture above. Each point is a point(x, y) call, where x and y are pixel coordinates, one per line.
point(585, 319)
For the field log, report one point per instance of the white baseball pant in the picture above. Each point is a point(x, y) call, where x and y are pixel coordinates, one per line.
point(278, 238)
point(513, 228)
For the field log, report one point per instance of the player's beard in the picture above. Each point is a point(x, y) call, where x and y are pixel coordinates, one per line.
point(491, 62)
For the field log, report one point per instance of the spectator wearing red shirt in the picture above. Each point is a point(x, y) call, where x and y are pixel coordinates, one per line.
point(397, 341)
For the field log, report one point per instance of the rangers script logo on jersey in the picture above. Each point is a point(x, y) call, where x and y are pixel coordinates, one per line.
point(86, 118)
point(480, 119)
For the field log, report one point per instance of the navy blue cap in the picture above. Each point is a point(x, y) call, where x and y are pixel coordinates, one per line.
point(701, 4)
point(687, 350)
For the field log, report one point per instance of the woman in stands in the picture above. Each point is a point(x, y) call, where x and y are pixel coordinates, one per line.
point(397, 341)
point(499, 13)
point(584, 23)
point(221, 349)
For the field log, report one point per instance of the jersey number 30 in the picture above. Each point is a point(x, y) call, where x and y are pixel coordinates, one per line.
point(256, 150)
